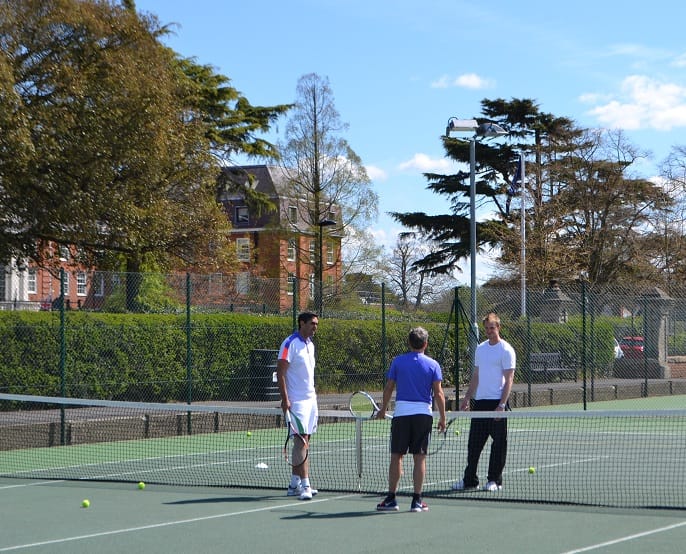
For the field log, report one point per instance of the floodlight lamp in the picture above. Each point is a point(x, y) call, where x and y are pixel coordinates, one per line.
point(455, 124)
point(490, 129)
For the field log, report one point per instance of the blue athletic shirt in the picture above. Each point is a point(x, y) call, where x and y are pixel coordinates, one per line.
point(414, 374)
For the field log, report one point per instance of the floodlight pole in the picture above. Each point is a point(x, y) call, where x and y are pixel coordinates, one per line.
point(484, 130)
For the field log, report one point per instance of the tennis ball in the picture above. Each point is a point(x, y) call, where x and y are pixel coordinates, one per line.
point(457, 431)
point(85, 503)
point(532, 469)
point(249, 433)
point(141, 485)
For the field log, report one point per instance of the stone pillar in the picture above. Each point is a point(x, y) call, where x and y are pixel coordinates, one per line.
point(656, 307)
point(555, 304)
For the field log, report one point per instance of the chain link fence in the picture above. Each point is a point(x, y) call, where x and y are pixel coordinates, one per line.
point(214, 338)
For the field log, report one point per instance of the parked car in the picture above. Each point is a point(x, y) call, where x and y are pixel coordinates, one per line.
point(632, 347)
point(618, 350)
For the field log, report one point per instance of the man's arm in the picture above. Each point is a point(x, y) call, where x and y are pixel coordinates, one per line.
point(387, 394)
point(505, 396)
point(473, 384)
point(281, 369)
point(439, 400)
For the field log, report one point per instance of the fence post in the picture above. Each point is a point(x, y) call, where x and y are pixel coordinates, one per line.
point(63, 360)
point(295, 302)
point(583, 338)
point(384, 365)
point(456, 363)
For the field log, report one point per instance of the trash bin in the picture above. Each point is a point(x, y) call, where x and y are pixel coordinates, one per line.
point(263, 375)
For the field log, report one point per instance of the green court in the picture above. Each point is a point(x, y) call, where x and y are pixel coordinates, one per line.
point(48, 517)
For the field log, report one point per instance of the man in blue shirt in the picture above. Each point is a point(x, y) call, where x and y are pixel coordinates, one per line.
point(418, 380)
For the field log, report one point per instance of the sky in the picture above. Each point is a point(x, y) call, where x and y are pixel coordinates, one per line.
point(400, 69)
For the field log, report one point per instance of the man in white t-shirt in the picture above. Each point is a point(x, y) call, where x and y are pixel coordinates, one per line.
point(295, 379)
point(489, 390)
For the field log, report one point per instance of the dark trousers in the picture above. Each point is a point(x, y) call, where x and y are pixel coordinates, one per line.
point(479, 432)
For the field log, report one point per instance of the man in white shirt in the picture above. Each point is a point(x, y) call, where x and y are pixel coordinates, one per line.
point(295, 379)
point(489, 388)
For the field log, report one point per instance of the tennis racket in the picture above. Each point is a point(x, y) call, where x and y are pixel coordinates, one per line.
point(294, 439)
point(362, 405)
point(439, 440)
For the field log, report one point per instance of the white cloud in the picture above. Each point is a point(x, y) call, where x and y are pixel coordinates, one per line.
point(466, 80)
point(425, 164)
point(642, 102)
point(376, 173)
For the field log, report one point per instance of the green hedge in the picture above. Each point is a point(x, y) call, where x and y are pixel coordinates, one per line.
point(145, 357)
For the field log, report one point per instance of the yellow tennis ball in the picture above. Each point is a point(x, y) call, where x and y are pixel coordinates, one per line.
point(457, 431)
point(532, 469)
point(141, 485)
point(86, 503)
point(249, 433)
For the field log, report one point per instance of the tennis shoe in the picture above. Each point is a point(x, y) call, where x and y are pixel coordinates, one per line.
point(460, 486)
point(307, 493)
point(419, 506)
point(492, 486)
point(388, 505)
point(294, 491)
point(297, 491)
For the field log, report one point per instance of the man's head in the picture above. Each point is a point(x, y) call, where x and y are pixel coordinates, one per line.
point(307, 324)
point(418, 338)
point(492, 326)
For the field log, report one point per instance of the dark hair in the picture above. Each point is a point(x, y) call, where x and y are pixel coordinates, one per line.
point(306, 317)
point(418, 337)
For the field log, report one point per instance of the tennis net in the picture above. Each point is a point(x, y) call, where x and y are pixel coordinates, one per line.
point(601, 458)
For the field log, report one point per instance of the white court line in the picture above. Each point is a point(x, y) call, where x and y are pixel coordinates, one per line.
point(167, 524)
point(625, 539)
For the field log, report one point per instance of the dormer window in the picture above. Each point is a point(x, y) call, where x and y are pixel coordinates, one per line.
point(242, 215)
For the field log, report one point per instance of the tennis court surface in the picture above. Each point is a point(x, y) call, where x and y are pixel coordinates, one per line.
point(614, 475)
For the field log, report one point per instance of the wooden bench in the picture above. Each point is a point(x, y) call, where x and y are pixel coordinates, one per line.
point(547, 364)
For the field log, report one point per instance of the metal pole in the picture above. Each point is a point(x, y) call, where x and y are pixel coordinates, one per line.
point(474, 335)
point(523, 234)
point(320, 272)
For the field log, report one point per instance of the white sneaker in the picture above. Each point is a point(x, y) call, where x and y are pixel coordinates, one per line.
point(294, 491)
point(306, 494)
point(492, 486)
point(460, 486)
point(297, 491)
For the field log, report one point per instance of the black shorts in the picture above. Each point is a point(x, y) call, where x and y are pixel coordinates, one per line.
point(411, 434)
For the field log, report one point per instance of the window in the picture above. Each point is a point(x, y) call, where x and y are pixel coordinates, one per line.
point(329, 252)
point(243, 283)
point(81, 283)
point(311, 283)
point(290, 255)
point(65, 287)
point(3, 284)
point(99, 284)
point(313, 247)
point(293, 214)
point(214, 285)
point(64, 253)
point(242, 215)
point(290, 280)
point(32, 284)
point(243, 249)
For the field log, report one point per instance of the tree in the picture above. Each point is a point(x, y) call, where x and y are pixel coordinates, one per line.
point(605, 216)
point(410, 284)
point(324, 173)
point(584, 211)
point(110, 141)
